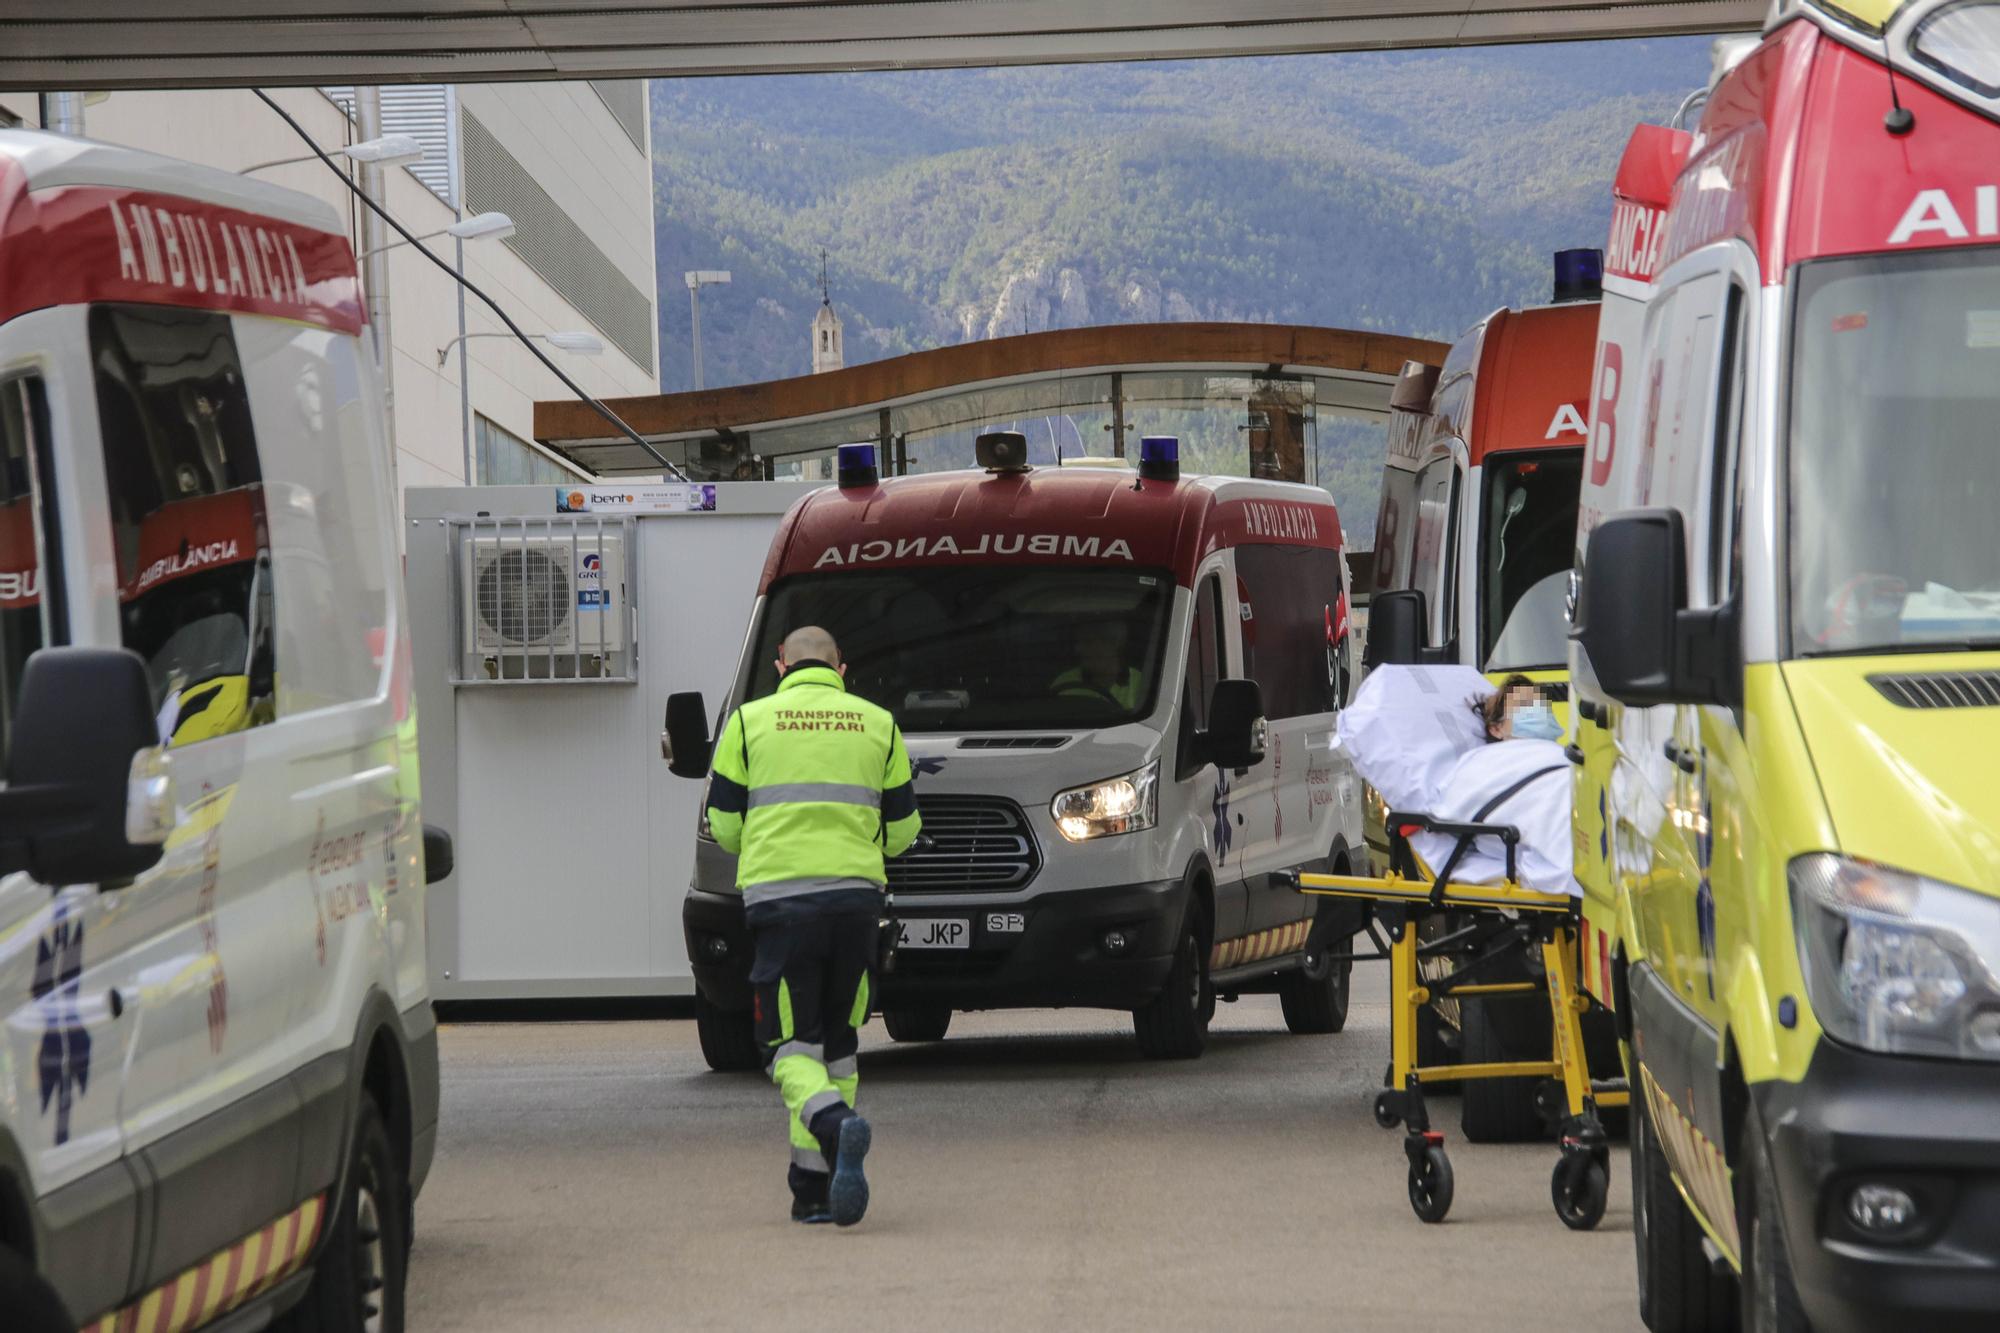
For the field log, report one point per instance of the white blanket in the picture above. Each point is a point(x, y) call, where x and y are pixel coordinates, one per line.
point(1414, 738)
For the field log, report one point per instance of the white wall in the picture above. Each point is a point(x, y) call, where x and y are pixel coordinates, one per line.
point(561, 132)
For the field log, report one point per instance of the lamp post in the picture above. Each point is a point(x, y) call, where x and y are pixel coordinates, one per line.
point(697, 279)
point(389, 150)
point(569, 340)
point(478, 227)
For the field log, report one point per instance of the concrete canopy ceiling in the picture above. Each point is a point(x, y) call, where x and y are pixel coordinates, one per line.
point(87, 44)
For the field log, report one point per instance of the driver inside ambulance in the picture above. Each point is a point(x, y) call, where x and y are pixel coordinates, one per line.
point(1101, 671)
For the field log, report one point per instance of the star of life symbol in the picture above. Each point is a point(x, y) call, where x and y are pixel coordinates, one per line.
point(918, 767)
point(1221, 808)
point(64, 1060)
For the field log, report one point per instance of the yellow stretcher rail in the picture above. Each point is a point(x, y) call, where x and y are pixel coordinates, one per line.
point(1545, 921)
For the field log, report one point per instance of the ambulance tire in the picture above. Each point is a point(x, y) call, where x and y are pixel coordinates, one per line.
point(728, 1038)
point(31, 1304)
point(923, 1023)
point(361, 1268)
point(1496, 1110)
point(1678, 1290)
point(1174, 1025)
point(1769, 1295)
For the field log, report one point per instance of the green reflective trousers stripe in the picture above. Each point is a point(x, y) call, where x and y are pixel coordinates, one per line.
point(807, 1082)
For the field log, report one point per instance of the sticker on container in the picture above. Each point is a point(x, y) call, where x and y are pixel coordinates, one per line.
point(693, 498)
point(1982, 328)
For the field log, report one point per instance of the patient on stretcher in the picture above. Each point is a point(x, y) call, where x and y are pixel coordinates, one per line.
point(1443, 741)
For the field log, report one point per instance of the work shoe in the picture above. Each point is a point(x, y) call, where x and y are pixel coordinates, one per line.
point(848, 1192)
point(810, 1205)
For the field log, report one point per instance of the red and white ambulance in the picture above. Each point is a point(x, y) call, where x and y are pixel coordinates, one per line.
point(1118, 689)
point(218, 1084)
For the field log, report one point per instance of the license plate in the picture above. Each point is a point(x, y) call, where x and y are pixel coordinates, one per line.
point(936, 933)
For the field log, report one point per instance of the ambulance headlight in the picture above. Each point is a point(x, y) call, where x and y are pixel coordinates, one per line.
point(1116, 805)
point(1896, 962)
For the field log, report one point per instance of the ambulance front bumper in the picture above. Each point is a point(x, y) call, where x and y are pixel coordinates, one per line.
point(1926, 1128)
point(1104, 948)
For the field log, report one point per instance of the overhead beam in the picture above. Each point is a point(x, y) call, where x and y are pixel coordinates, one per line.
point(92, 44)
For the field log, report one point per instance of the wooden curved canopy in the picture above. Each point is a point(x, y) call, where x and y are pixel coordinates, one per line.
point(1101, 348)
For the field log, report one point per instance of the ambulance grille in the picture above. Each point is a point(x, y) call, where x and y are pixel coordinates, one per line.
point(1941, 689)
point(970, 844)
point(1013, 742)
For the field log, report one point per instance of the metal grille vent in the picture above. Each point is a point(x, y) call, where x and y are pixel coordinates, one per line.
point(1941, 689)
point(549, 241)
point(524, 596)
point(1013, 742)
point(625, 99)
point(423, 111)
point(970, 844)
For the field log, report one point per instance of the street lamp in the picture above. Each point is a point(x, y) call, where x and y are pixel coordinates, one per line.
point(568, 340)
point(697, 279)
point(391, 150)
point(478, 227)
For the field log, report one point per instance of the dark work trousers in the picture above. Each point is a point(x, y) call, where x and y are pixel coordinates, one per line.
point(809, 986)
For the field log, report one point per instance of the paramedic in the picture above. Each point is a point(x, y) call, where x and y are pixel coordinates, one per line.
point(1101, 672)
point(811, 789)
point(1517, 711)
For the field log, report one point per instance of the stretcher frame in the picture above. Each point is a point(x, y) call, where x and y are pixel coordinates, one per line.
point(1513, 918)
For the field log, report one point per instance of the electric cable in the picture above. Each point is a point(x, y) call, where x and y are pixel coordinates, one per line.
point(472, 287)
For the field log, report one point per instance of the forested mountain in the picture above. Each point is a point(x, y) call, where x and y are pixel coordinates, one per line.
point(1408, 192)
point(1405, 192)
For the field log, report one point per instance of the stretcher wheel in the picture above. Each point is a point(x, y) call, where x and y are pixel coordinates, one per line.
point(1430, 1185)
point(1386, 1114)
point(1579, 1187)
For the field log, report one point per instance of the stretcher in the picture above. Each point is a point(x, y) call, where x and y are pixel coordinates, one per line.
point(1491, 922)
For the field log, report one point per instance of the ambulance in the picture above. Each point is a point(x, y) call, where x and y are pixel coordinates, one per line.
point(1473, 552)
point(1786, 658)
point(219, 1081)
point(1118, 688)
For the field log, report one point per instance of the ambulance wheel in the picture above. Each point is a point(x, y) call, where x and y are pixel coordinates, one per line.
point(1580, 1187)
point(1430, 1185)
point(29, 1299)
point(1678, 1290)
point(927, 1022)
point(1314, 998)
point(728, 1037)
point(357, 1286)
point(1174, 1026)
point(1770, 1296)
point(1496, 1110)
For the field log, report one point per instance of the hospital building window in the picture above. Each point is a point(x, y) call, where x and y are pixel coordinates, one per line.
point(505, 459)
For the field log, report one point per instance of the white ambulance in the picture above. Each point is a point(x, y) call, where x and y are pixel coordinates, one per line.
point(218, 1072)
point(1118, 689)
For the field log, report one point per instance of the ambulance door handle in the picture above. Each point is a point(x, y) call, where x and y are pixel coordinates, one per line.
point(1684, 760)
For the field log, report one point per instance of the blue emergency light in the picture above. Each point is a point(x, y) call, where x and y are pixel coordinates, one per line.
point(854, 465)
point(1160, 457)
point(1579, 275)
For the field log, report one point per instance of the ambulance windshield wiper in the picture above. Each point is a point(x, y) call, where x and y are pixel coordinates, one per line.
point(1982, 644)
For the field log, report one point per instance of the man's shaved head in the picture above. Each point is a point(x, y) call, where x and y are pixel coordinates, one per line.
point(810, 643)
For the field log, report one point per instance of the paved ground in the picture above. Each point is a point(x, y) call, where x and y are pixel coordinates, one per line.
point(1030, 1172)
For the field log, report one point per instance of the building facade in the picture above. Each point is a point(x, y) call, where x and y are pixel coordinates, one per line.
point(569, 163)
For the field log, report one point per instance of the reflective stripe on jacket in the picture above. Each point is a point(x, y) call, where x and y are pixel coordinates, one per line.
point(811, 789)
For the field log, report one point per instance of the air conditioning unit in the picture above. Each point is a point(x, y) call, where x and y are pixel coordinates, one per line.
point(544, 594)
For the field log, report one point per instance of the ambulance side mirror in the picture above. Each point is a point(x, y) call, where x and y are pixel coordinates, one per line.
point(1398, 630)
point(684, 740)
point(88, 798)
point(1236, 728)
point(1633, 623)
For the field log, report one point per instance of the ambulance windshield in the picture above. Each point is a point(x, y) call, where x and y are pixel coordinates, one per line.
point(1895, 453)
point(983, 647)
point(1529, 534)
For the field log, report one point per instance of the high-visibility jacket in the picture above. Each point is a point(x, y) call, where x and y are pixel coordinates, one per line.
point(1127, 693)
point(811, 789)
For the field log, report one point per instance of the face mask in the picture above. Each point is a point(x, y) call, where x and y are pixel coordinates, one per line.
point(1536, 722)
